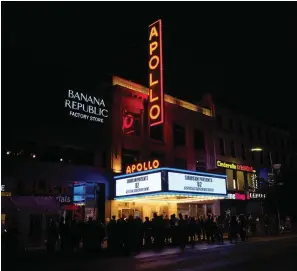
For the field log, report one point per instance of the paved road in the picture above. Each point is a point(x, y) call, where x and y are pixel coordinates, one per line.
point(259, 254)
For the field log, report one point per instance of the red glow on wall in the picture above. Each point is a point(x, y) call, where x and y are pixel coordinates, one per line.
point(156, 92)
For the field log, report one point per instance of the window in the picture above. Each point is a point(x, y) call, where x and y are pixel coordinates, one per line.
point(129, 157)
point(232, 148)
point(157, 132)
point(179, 135)
point(222, 147)
point(199, 140)
point(243, 152)
point(230, 178)
point(231, 125)
point(219, 121)
point(251, 133)
point(180, 163)
point(241, 130)
point(158, 156)
point(200, 165)
point(131, 124)
point(240, 180)
point(259, 133)
point(267, 137)
point(104, 159)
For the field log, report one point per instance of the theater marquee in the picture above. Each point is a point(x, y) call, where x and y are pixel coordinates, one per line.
point(156, 94)
point(141, 184)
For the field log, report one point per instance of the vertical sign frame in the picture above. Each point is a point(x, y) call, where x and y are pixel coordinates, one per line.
point(156, 92)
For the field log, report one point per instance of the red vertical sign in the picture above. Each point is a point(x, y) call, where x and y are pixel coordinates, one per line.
point(156, 94)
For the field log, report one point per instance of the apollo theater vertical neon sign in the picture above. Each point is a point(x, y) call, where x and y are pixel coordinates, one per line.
point(156, 95)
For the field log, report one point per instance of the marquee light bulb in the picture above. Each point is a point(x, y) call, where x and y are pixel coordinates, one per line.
point(34, 156)
point(61, 159)
point(8, 152)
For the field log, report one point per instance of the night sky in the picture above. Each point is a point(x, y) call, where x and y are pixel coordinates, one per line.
point(245, 54)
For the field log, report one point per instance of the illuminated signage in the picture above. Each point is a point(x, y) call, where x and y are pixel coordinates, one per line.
point(257, 196)
point(234, 166)
point(196, 183)
point(86, 107)
point(142, 166)
point(139, 184)
point(156, 95)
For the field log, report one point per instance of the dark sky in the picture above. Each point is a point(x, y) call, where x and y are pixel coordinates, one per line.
point(244, 53)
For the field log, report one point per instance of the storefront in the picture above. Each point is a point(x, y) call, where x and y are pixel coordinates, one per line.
point(168, 191)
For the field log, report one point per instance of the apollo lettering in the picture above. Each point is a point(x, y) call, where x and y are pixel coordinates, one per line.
point(155, 75)
point(142, 166)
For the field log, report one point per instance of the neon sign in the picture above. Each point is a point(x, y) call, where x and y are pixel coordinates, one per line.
point(142, 166)
point(235, 166)
point(156, 94)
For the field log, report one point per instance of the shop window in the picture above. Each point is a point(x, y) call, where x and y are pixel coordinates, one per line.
point(243, 152)
point(180, 163)
point(232, 148)
point(230, 178)
point(129, 157)
point(157, 132)
point(199, 140)
point(179, 135)
point(240, 180)
point(222, 146)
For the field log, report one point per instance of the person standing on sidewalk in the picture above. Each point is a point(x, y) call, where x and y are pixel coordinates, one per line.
point(182, 232)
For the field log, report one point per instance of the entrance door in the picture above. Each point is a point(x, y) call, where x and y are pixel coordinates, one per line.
point(126, 212)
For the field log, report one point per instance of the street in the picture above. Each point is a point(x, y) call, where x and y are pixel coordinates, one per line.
point(256, 254)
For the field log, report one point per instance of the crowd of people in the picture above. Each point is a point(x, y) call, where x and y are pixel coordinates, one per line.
point(131, 234)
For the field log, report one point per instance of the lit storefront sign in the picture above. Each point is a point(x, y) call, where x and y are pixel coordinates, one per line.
point(196, 184)
point(228, 165)
point(140, 184)
point(156, 93)
point(257, 196)
point(247, 196)
point(142, 166)
point(86, 107)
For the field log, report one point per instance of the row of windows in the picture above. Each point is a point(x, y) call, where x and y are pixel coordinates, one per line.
point(131, 157)
point(65, 155)
point(242, 153)
point(253, 132)
point(132, 126)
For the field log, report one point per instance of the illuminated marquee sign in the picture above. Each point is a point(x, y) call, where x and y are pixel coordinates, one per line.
point(196, 183)
point(141, 184)
point(86, 107)
point(235, 166)
point(156, 95)
point(142, 166)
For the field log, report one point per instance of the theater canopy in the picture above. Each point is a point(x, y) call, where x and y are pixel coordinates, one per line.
point(170, 185)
